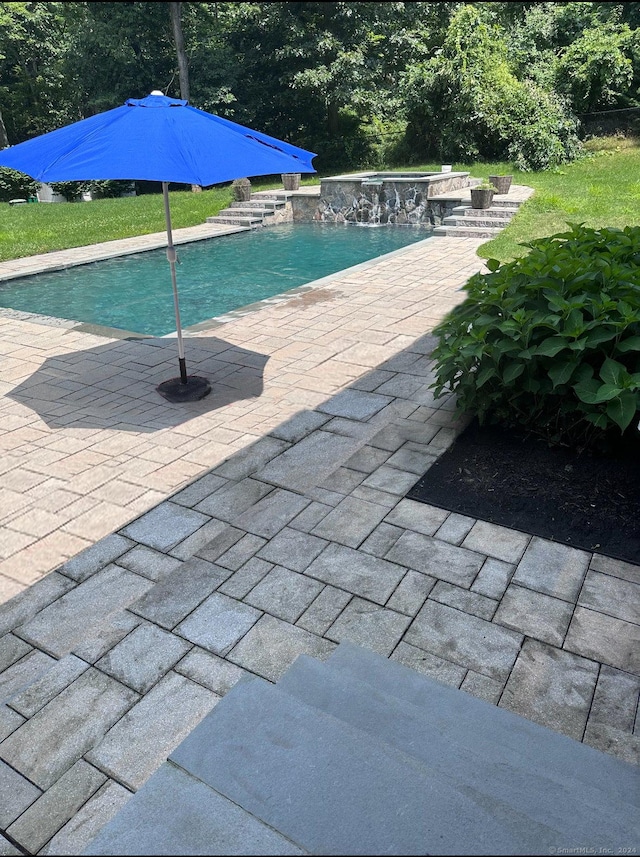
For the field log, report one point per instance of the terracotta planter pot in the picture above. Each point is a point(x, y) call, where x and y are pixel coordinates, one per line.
point(481, 198)
point(291, 181)
point(501, 183)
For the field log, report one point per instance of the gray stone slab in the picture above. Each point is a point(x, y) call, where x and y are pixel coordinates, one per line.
point(435, 558)
point(611, 595)
point(54, 739)
point(284, 593)
point(323, 611)
point(169, 601)
point(77, 833)
point(292, 549)
point(367, 459)
point(429, 665)
point(7, 849)
point(241, 552)
point(411, 460)
point(344, 480)
point(495, 732)
point(489, 689)
point(374, 495)
point(58, 627)
point(393, 436)
point(26, 604)
point(372, 802)
point(615, 701)
point(455, 529)
point(245, 578)
point(615, 741)
point(148, 562)
point(309, 517)
point(299, 426)
point(551, 687)
point(381, 540)
point(389, 479)
point(160, 820)
point(96, 557)
point(218, 623)
point(411, 593)
point(616, 568)
point(553, 569)
point(106, 636)
point(604, 638)
point(58, 676)
point(165, 525)
point(369, 625)
point(198, 490)
point(12, 648)
point(251, 459)
point(466, 640)
point(234, 499)
point(210, 671)
point(462, 599)
point(354, 404)
point(272, 645)
point(269, 515)
point(10, 720)
point(534, 614)
point(221, 544)
point(198, 540)
point(499, 542)
point(361, 574)
point(350, 522)
point(143, 657)
point(17, 794)
point(138, 744)
point(310, 461)
point(493, 578)
point(544, 807)
point(50, 812)
point(23, 673)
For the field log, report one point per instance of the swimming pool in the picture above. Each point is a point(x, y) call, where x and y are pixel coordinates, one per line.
point(215, 276)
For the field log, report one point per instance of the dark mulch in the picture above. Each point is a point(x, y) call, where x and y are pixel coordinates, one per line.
point(588, 501)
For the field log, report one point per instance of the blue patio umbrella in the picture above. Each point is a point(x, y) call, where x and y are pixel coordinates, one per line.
point(162, 139)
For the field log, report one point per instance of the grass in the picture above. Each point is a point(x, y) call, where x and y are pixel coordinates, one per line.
point(601, 189)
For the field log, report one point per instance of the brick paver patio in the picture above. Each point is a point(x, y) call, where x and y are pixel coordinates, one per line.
point(225, 537)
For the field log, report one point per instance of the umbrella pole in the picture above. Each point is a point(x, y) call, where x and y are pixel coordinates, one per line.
point(183, 389)
point(171, 256)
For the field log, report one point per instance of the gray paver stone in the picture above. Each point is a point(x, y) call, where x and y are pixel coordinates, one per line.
point(17, 794)
point(615, 701)
point(200, 539)
point(411, 593)
point(292, 549)
point(143, 657)
point(245, 578)
point(272, 645)
point(148, 562)
point(608, 739)
point(438, 559)
point(23, 673)
point(252, 458)
point(53, 681)
point(354, 404)
point(381, 540)
point(367, 459)
point(428, 664)
point(466, 640)
point(552, 568)
point(389, 479)
point(604, 638)
point(617, 568)
point(96, 557)
point(350, 522)
point(10, 720)
point(77, 833)
point(284, 593)
point(216, 547)
point(7, 849)
point(493, 578)
point(611, 595)
point(482, 686)
point(299, 426)
point(138, 744)
point(419, 517)
point(369, 625)
point(58, 627)
point(234, 499)
point(44, 818)
point(411, 460)
point(455, 529)
point(309, 517)
point(552, 687)
point(269, 515)
point(534, 614)
point(198, 490)
point(26, 604)
point(209, 670)
point(344, 480)
point(499, 542)
point(310, 461)
point(241, 551)
point(361, 574)
point(12, 648)
point(322, 612)
point(463, 599)
point(106, 636)
point(55, 738)
point(218, 623)
point(169, 601)
point(165, 525)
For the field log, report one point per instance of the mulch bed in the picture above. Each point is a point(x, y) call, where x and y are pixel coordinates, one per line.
point(506, 477)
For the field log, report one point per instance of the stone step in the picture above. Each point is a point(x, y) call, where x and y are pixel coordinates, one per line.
point(467, 231)
point(494, 211)
point(332, 789)
point(239, 220)
point(477, 722)
point(523, 792)
point(479, 221)
point(262, 204)
point(247, 211)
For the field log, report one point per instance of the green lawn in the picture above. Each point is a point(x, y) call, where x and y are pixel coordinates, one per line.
point(602, 189)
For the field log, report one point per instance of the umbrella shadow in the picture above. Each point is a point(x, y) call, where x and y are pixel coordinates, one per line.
point(113, 385)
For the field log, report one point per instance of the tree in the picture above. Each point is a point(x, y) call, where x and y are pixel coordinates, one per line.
point(178, 38)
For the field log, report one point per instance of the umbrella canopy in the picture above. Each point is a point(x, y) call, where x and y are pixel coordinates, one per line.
point(157, 139)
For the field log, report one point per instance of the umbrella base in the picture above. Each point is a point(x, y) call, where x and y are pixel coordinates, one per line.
point(174, 390)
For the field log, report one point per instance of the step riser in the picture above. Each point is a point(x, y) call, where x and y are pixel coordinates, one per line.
point(262, 205)
point(465, 232)
point(476, 222)
point(467, 211)
point(236, 221)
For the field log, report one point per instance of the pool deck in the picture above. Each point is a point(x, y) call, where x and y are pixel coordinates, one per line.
point(227, 536)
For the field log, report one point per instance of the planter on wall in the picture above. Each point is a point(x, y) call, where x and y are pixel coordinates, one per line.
point(291, 181)
point(501, 183)
point(481, 197)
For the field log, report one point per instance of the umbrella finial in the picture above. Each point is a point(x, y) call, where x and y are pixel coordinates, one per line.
point(157, 92)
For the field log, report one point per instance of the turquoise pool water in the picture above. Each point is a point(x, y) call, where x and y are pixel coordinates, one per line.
point(214, 276)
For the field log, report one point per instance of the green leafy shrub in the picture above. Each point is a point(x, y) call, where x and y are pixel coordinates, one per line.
point(551, 341)
point(69, 190)
point(15, 185)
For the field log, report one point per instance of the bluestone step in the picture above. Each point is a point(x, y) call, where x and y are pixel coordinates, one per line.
point(332, 789)
point(467, 231)
point(468, 720)
point(174, 813)
point(582, 812)
point(477, 220)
